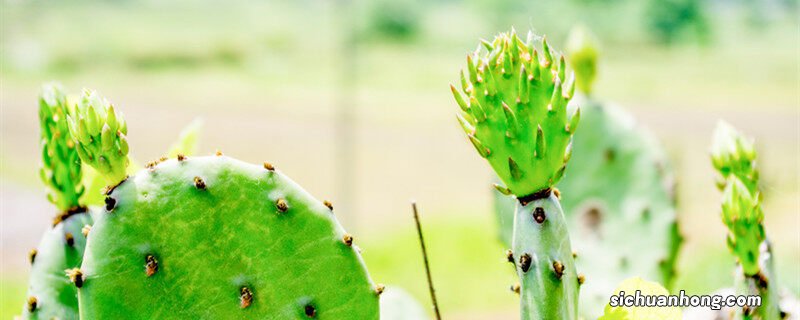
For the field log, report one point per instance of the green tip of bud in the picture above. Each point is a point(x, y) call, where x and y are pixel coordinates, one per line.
point(61, 166)
point(733, 154)
point(515, 111)
point(100, 135)
point(582, 51)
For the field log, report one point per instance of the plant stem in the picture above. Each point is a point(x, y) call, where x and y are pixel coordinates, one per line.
point(425, 259)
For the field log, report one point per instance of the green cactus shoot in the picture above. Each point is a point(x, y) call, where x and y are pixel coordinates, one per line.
point(734, 157)
point(50, 296)
point(513, 107)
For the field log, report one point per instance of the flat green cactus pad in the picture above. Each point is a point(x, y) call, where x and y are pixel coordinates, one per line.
point(619, 205)
point(50, 294)
point(216, 238)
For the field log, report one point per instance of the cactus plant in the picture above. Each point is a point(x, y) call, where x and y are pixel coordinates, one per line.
point(213, 232)
point(61, 247)
point(513, 108)
point(734, 158)
point(611, 150)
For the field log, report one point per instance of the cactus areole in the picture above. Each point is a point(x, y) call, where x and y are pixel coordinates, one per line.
point(513, 107)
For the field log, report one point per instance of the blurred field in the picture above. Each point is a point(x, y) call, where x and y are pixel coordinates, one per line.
point(266, 79)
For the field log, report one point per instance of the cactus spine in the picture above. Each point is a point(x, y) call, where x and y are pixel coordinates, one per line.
point(62, 245)
point(734, 158)
point(213, 232)
point(513, 102)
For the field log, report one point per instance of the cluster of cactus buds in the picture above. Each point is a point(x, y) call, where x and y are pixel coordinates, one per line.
point(734, 157)
point(513, 108)
point(61, 166)
point(99, 135)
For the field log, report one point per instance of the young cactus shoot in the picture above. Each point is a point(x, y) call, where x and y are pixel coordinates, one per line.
point(733, 155)
point(61, 247)
point(61, 166)
point(513, 102)
point(99, 134)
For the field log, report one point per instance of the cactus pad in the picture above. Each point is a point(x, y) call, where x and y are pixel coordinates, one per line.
point(619, 189)
point(544, 261)
point(513, 102)
point(216, 238)
point(50, 294)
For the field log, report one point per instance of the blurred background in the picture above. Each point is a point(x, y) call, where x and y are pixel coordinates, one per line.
point(350, 99)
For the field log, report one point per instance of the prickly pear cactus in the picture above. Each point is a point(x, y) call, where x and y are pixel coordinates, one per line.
point(734, 157)
point(513, 101)
point(213, 238)
point(219, 233)
point(619, 188)
point(50, 295)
